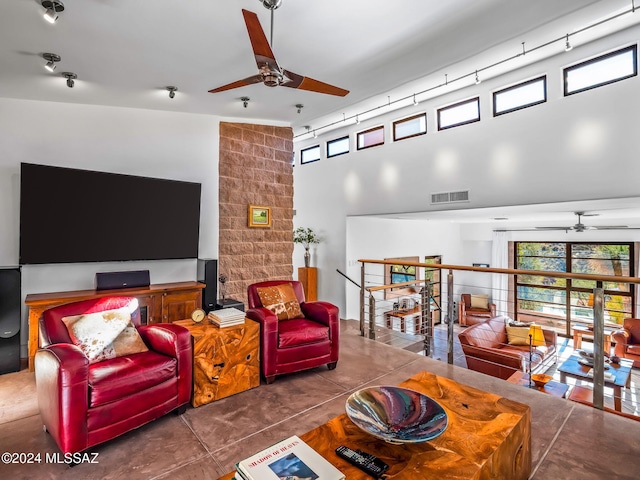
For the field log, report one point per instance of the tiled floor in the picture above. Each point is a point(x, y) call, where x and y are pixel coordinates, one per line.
point(206, 441)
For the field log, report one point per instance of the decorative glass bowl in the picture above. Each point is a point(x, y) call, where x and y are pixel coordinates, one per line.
point(397, 415)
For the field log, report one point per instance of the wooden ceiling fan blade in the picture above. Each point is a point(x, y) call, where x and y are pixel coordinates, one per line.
point(305, 83)
point(259, 43)
point(239, 83)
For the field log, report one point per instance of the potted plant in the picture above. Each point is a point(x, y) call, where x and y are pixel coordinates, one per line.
point(306, 237)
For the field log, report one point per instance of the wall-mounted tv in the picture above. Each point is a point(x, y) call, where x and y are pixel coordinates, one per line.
point(72, 216)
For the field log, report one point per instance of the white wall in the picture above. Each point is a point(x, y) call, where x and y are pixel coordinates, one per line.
point(576, 148)
point(129, 141)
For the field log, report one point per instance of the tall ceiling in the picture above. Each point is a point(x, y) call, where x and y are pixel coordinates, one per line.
point(125, 52)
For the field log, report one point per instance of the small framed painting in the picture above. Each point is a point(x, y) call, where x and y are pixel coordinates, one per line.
point(259, 216)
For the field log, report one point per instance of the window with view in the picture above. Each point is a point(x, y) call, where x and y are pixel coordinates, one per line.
point(526, 94)
point(602, 70)
point(311, 154)
point(571, 300)
point(458, 114)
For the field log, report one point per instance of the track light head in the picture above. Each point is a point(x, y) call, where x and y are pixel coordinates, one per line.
point(567, 46)
point(53, 8)
point(478, 81)
point(172, 91)
point(245, 101)
point(415, 102)
point(51, 59)
point(70, 76)
point(299, 106)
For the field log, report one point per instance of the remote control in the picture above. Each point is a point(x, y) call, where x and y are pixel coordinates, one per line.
point(364, 461)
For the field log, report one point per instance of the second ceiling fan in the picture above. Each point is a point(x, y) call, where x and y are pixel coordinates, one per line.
point(269, 72)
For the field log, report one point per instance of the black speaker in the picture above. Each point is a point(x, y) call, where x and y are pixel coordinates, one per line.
point(208, 274)
point(9, 320)
point(115, 280)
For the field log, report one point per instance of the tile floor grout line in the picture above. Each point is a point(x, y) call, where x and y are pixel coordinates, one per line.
point(347, 391)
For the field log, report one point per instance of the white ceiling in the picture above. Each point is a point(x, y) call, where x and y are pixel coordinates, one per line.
point(125, 52)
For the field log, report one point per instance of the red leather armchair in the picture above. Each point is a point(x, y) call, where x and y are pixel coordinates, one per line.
point(297, 344)
point(83, 404)
point(628, 341)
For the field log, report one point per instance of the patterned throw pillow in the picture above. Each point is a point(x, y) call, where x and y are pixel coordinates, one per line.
point(281, 300)
point(105, 335)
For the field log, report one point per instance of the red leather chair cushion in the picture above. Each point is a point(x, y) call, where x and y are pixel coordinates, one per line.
point(300, 331)
point(119, 377)
point(487, 335)
point(632, 325)
point(633, 349)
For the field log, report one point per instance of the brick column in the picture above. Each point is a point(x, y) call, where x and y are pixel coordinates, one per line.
point(255, 169)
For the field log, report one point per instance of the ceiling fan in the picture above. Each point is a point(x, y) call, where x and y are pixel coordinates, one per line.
point(581, 227)
point(578, 227)
point(270, 73)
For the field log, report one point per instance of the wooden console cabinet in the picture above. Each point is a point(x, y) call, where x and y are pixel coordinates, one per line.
point(160, 303)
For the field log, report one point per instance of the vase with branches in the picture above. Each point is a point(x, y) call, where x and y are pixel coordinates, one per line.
point(306, 237)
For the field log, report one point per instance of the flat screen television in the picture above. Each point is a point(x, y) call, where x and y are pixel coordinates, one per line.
point(71, 216)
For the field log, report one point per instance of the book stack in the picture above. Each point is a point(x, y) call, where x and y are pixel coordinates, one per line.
point(290, 458)
point(226, 317)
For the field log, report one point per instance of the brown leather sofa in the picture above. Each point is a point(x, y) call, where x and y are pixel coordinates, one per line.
point(486, 349)
point(470, 315)
point(628, 341)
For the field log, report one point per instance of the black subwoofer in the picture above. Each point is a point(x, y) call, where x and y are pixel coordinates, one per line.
point(9, 320)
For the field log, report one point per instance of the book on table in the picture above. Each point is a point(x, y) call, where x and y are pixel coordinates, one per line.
point(227, 317)
point(290, 458)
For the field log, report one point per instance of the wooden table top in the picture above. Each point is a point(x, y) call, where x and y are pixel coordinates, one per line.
point(488, 436)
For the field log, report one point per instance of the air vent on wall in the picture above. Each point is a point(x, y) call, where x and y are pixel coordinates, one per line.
point(450, 197)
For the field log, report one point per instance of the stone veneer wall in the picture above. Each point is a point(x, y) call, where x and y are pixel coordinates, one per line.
point(255, 169)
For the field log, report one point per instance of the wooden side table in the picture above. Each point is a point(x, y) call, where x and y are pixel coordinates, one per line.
point(308, 276)
point(579, 331)
point(226, 360)
point(552, 387)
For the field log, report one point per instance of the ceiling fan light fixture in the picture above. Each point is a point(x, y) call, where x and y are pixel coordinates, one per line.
point(52, 9)
point(51, 59)
point(271, 4)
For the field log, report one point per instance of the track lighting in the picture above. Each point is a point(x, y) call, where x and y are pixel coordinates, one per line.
point(245, 101)
point(315, 135)
point(172, 91)
point(415, 102)
point(299, 107)
point(53, 8)
point(567, 46)
point(271, 4)
point(51, 59)
point(477, 78)
point(357, 120)
point(70, 76)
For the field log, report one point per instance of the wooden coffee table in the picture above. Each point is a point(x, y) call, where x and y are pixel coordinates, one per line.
point(622, 372)
point(557, 389)
point(488, 436)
